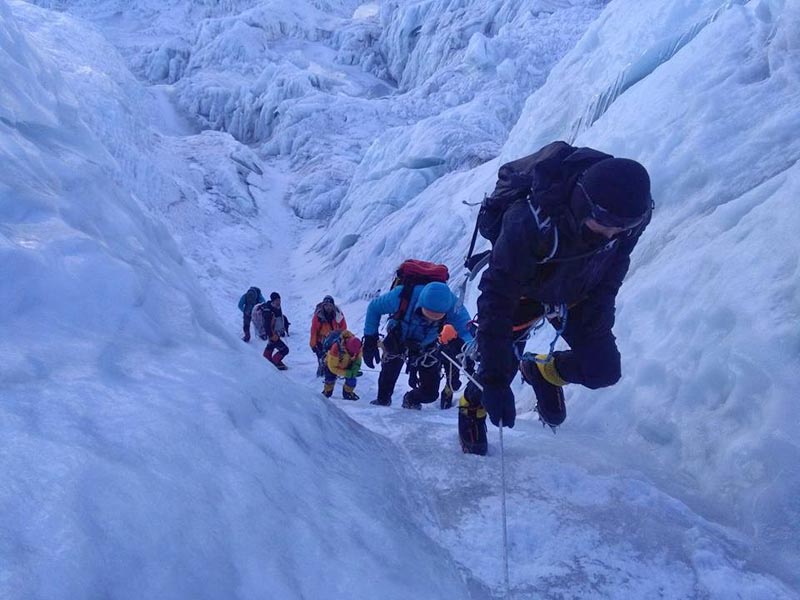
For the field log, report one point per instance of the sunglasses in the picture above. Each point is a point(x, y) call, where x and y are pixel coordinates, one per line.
point(607, 219)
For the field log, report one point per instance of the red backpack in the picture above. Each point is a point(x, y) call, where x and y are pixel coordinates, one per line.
point(412, 273)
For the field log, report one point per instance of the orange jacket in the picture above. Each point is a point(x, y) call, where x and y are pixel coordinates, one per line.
point(321, 326)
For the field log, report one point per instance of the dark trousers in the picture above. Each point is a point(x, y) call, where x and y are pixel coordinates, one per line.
point(593, 359)
point(278, 345)
point(246, 323)
point(330, 378)
point(427, 388)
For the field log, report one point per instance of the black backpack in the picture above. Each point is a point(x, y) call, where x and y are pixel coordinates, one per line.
point(546, 178)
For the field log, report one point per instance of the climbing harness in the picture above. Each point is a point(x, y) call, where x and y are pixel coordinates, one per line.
point(557, 312)
point(427, 359)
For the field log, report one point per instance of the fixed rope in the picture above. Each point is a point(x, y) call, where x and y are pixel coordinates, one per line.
point(502, 481)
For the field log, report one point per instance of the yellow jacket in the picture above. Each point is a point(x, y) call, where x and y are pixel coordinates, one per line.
point(338, 360)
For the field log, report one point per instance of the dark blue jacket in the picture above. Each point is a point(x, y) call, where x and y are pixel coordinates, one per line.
point(415, 329)
point(585, 271)
point(246, 304)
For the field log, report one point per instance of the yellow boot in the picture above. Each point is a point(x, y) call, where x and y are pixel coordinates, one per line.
point(472, 426)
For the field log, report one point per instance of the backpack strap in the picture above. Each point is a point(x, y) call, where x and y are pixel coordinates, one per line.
point(405, 300)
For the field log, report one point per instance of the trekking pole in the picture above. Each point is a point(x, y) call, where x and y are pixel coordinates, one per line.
point(502, 479)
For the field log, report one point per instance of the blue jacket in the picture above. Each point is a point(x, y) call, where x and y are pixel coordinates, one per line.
point(244, 304)
point(587, 271)
point(415, 328)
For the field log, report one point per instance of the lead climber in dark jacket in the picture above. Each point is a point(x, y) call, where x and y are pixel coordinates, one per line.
point(563, 222)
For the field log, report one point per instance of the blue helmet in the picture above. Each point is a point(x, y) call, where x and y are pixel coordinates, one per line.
point(436, 297)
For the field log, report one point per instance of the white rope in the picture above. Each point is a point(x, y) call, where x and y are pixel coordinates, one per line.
point(503, 482)
point(505, 522)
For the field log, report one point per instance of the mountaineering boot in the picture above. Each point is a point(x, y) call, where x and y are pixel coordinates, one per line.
point(277, 360)
point(446, 398)
point(382, 402)
point(246, 338)
point(327, 391)
point(472, 427)
point(349, 393)
point(408, 402)
point(547, 384)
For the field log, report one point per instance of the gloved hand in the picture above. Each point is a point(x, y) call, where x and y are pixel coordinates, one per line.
point(369, 346)
point(317, 350)
point(498, 400)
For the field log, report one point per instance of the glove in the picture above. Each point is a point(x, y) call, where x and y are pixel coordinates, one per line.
point(498, 400)
point(370, 351)
point(317, 350)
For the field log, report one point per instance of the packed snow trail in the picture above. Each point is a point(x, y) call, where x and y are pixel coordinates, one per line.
point(582, 523)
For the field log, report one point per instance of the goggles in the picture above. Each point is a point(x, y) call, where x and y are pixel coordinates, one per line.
point(608, 219)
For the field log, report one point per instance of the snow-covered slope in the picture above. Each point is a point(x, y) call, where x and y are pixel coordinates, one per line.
point(145, 455)
point(380, 120)
point(707, 95)
point(707, 320)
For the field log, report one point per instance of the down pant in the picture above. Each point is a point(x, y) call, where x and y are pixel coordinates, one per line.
point(330, 379)
point(428, 376)
point(278, 345)
point(246, 318)
point(592, 360)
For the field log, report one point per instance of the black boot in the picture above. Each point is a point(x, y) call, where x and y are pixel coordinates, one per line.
point(472, 427)
point(549, 397)
point(408, 402)
point(349, 393)
point(382, 402)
